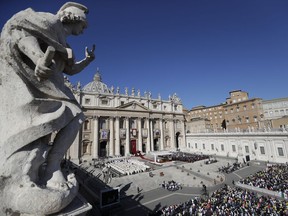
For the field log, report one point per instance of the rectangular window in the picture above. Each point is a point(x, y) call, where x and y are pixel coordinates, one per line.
point(212, 146)
point(104, 102)
point(247, 119)
point(280, 151)
point(196, 145)
point(87, 100)
point(233, 148)
point(86, 125)
point(203, 146)
point(222, 147)
point(247, 149)
point(262, 150)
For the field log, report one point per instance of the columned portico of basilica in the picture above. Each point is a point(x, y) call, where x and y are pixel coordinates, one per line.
point(120, 124)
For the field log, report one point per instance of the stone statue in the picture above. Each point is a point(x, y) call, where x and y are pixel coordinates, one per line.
point(40, 117)
point(78, 86)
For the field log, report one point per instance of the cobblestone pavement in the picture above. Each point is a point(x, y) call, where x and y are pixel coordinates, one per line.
point(188, 174)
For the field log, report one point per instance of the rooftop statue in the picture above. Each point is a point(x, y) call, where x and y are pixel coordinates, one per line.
point(39, 115)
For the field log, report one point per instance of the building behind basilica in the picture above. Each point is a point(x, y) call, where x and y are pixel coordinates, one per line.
point(120, 124)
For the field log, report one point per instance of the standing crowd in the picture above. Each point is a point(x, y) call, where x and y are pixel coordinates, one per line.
point(171, 185)
point(188, 157)
point(228, 201)
point(237, 201)
point(274, 178)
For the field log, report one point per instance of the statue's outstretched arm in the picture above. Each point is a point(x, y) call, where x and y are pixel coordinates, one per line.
point(79, 66)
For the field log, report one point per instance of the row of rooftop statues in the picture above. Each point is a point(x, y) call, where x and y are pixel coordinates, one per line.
point(39, 114)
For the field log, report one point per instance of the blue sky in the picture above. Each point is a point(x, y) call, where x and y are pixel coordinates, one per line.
point(199, 49)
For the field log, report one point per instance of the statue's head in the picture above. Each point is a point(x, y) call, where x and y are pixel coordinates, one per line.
point(72, 12)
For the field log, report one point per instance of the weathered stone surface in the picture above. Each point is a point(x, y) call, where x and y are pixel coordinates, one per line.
point(39, 114)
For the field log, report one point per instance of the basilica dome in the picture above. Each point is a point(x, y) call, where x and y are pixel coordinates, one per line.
point(96, 86)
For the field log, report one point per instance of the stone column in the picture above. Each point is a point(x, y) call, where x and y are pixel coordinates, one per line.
point(273, 149)
point(139, 135)
point(127, 143)
point(151, 135)
point(117, 136)
point(111, 137)
point(74, 152)
point(95, 137)
point(184, 144)
point(148, 144)
point(172, 135)
point(161, 134)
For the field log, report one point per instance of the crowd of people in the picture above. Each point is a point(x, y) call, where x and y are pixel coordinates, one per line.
point(171, 185)
point(210, 161)
point(229, 168)
point(188, 157)
point(228, 201)
point(274, 178)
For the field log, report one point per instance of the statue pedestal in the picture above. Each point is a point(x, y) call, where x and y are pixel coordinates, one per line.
point(78, 207)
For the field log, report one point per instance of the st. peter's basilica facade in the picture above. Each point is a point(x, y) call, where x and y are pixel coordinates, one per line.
point(120, 124)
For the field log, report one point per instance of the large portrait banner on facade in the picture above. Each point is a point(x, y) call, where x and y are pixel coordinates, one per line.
point(104, 134)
